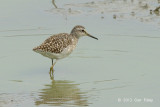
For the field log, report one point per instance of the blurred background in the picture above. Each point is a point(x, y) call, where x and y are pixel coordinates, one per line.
point(122, 64)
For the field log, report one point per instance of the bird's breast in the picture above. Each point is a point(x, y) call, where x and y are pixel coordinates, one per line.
point(68, 49)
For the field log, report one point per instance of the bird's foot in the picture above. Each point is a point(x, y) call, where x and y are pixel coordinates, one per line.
point(51, 70)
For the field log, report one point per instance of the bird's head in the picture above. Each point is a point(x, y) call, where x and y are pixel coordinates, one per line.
point(80, 31)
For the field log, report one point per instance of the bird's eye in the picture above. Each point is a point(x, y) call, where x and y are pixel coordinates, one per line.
point(83, 31)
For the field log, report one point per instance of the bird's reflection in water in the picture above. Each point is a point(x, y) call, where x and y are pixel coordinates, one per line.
point(62, 93)
point(53, 2)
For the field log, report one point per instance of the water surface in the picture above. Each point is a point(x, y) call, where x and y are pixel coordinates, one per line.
point(123, 63)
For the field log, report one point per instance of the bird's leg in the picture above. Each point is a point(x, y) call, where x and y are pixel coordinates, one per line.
point(51, 68)
point(52, 61)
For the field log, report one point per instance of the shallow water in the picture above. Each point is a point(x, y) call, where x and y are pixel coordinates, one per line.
point(122, 64)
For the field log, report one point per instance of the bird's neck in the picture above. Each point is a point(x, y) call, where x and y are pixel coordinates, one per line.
point(75, 35)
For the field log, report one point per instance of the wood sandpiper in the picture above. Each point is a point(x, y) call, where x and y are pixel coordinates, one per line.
point(61, 45)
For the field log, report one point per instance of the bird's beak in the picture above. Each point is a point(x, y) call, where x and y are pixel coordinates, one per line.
point(90, 35)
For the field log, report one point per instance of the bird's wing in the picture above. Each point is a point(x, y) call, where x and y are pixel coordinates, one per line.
point(55, 43)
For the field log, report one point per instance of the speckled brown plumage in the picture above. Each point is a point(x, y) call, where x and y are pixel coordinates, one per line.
point(56, 43)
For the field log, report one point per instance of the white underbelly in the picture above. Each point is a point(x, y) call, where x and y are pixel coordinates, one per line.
point(67, 51)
